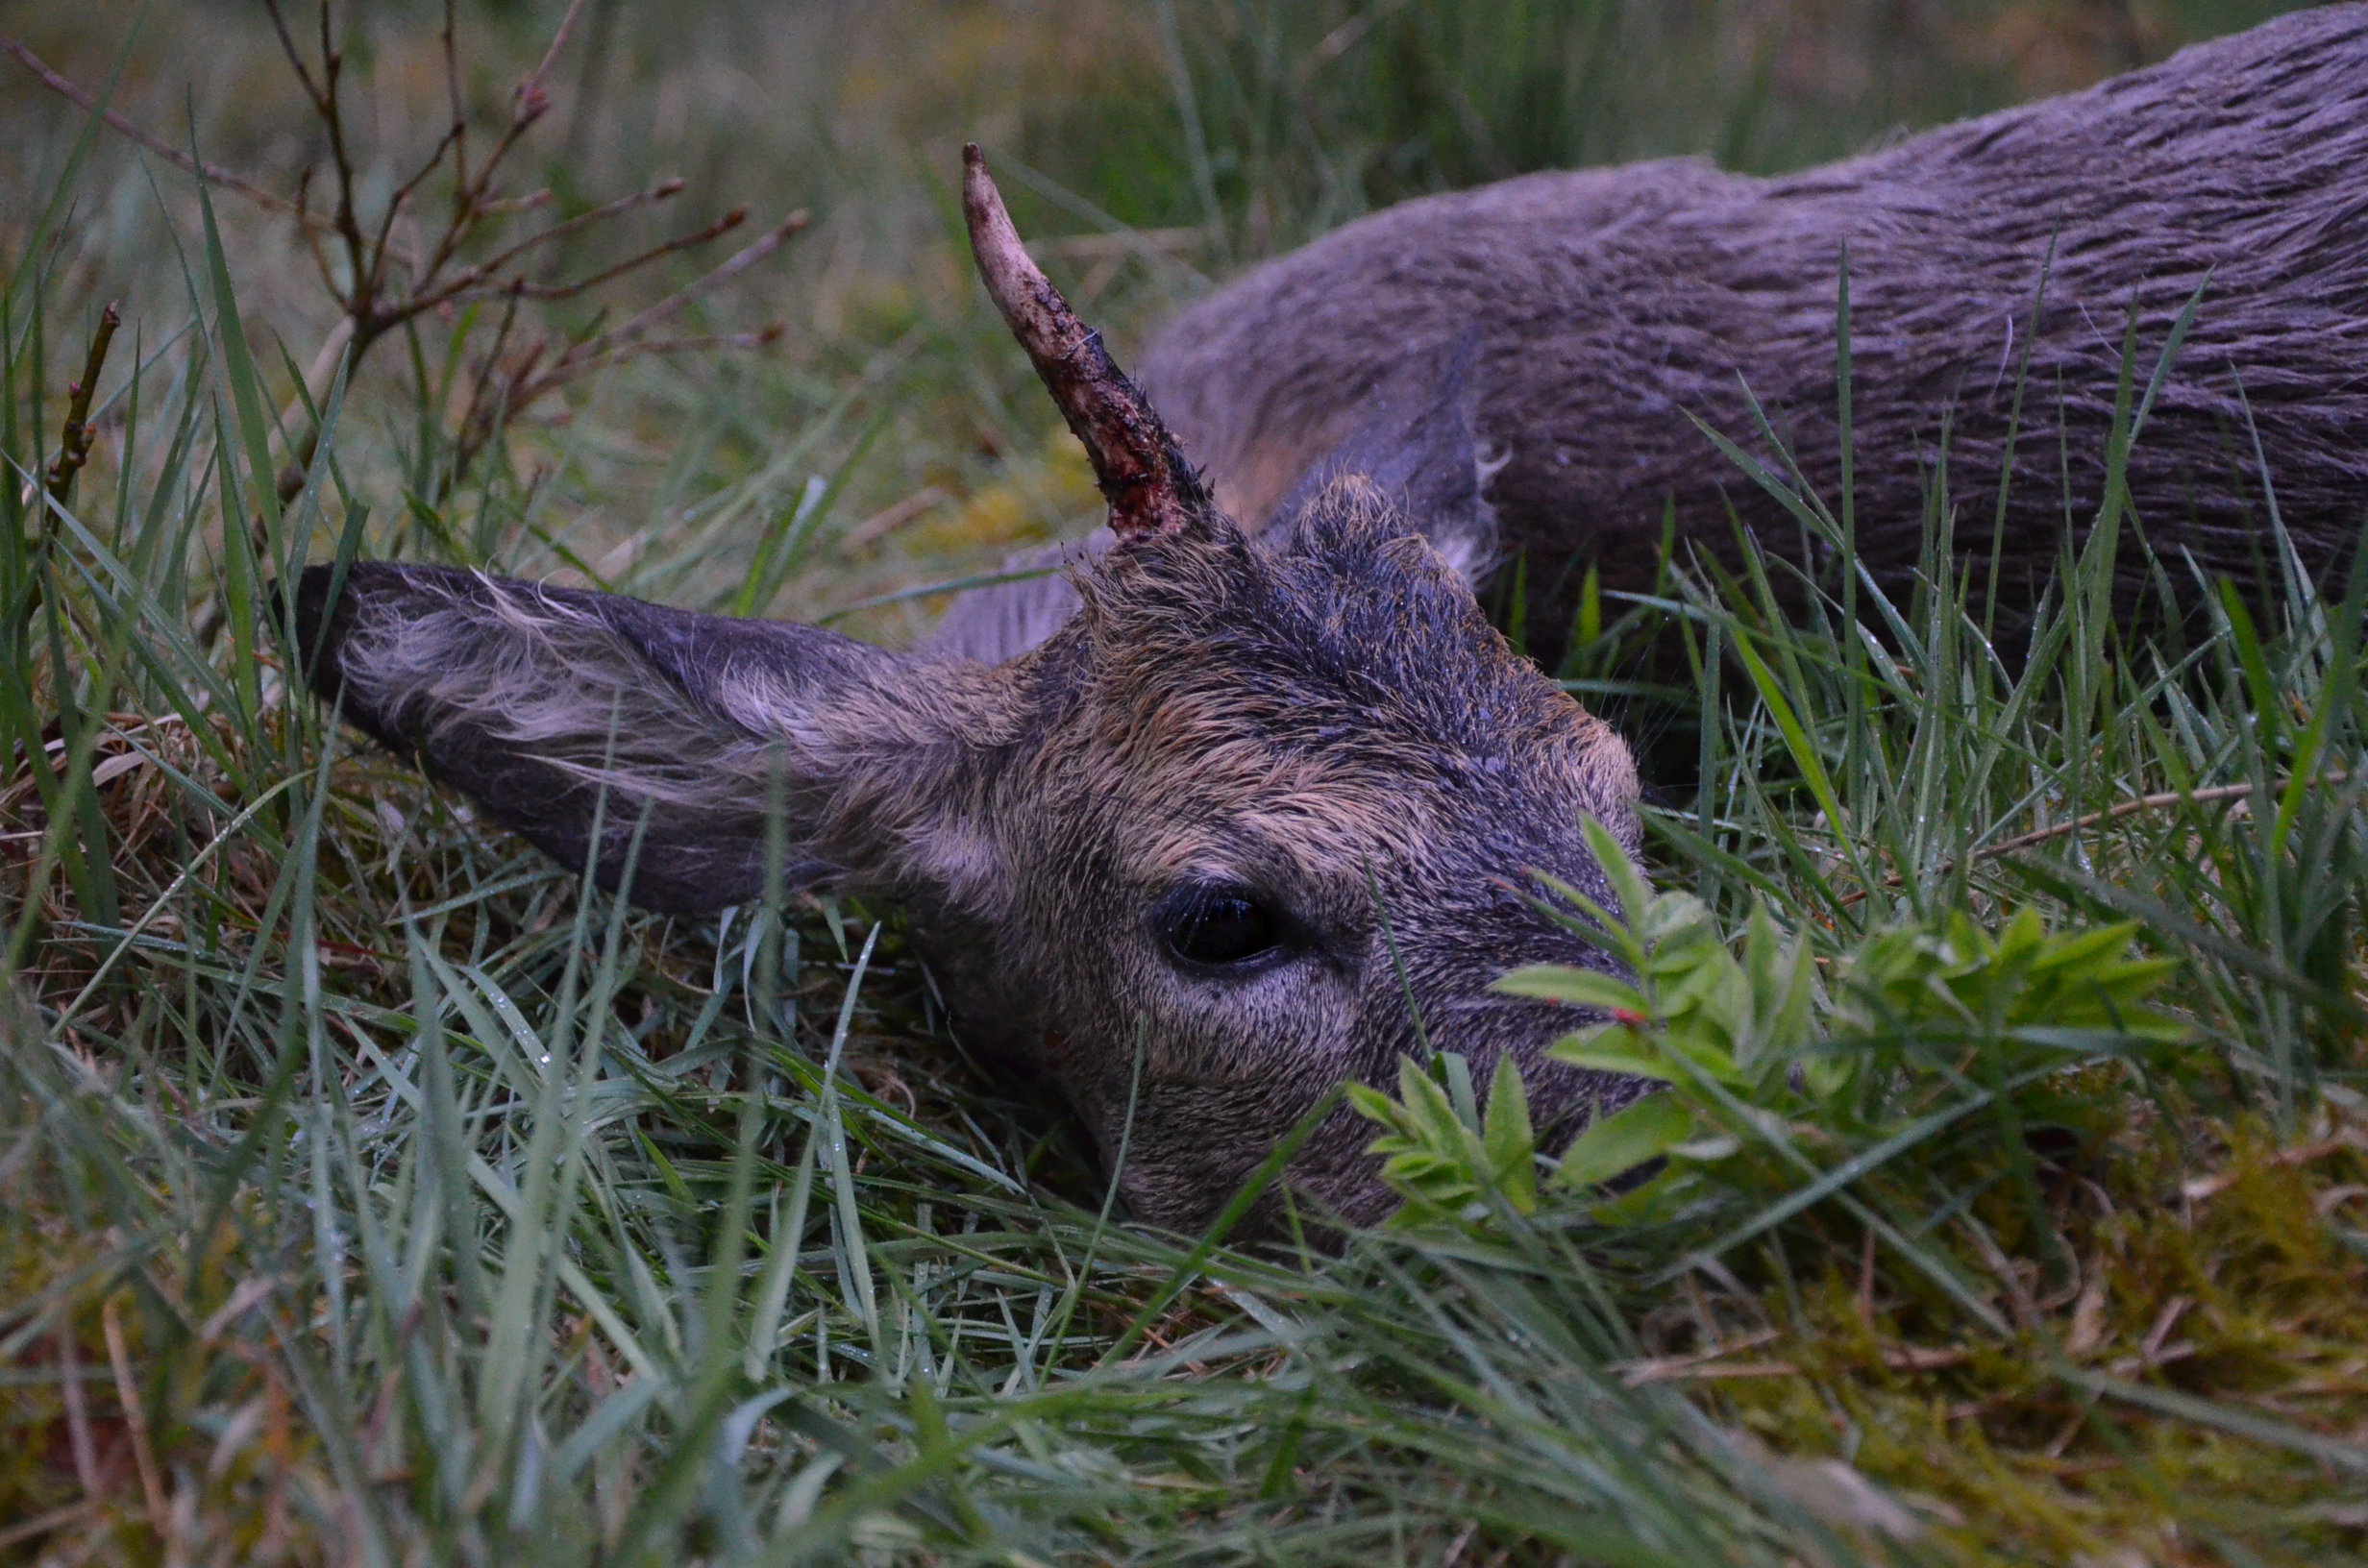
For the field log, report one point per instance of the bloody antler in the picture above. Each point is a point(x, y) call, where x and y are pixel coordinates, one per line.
point(1150, 488)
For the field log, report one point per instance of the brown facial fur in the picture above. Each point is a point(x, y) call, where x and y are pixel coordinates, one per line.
point(1320, 721)
point(1324, 718)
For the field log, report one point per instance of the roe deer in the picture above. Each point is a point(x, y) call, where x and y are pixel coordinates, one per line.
point(1590, 313)
point(1253, 822)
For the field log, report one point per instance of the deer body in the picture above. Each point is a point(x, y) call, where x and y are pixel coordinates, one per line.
point(1593, 316)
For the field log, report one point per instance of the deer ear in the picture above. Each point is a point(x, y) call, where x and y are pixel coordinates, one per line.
point(1417, 446)
point(588, 722)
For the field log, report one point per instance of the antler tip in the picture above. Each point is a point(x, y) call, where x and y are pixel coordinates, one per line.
point(1134, 460)
point(978, 193)
point(981, 203)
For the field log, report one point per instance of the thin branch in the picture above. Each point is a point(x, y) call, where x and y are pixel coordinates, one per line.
point(531, 201)
point(2127, 808)
point(480, 421)
point(74, 450)
point(370, 301)
point(495, 262)
point(533, 103)
point(568, 367)
point(518, 286)
point(469, 205)
point(459, 106)
point(404, 193)
point(78, 1416)
point(888, 519)
point(764, 245)
point(472, 283)
point(528, 103)
point(348, 222)
point(136, 1420)
point(295, 56)
point(208, 172)
point(312, 232)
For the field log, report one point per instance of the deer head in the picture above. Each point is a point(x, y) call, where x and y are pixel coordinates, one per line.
point(1206, 852)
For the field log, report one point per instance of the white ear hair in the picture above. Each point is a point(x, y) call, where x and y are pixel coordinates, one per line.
point(511, 664)
point(1469, 540)
point(560, 711)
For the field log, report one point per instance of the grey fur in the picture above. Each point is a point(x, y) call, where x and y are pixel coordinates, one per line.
point(556, 708)
point(1606, 306)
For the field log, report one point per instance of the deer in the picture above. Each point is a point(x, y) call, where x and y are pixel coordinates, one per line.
point(1264, 815)
point(1602, 322)
point(1251, 801)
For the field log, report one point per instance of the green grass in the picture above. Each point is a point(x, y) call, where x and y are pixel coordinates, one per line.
point(372, 1192)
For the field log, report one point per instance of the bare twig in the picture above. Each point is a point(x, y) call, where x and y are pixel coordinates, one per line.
point(288, 47)
point(582, 221)
point(74, 443)
point(453, 100)
point(520, 288)
point(381, 284)
point(404, 193)
point(329, 107)
point(886, 520)
point(74, 448)
point(78, 1415)
point(764, 245)
point(570, 368)
point(532, 101)
point(2127, 808)
point(2300, 1154)
point(45, 1524)
point(531, 201)
point(208, 172)
point(1707, 1368)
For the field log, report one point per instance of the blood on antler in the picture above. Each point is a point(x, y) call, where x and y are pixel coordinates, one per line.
point(1150, 488)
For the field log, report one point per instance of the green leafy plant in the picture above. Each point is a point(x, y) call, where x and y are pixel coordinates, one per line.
point(1445, 1159)
point(1919, 1025)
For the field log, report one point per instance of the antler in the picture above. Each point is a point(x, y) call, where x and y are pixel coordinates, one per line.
point(1150, 488)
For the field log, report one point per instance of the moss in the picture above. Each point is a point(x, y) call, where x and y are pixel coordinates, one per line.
point(2241, 1287)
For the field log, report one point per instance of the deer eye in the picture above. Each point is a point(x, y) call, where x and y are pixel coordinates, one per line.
point(1218, 926)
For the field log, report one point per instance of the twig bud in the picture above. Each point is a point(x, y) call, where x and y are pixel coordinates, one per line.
point(74, 442)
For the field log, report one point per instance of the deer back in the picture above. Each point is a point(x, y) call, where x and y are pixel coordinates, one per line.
point(1596, 316)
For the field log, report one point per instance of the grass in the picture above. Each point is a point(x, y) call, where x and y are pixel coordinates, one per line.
point(371, 1191)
